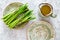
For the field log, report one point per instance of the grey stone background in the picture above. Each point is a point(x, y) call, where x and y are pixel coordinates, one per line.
point(20, 34)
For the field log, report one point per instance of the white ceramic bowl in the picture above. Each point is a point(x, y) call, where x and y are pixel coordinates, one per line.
point(42, 4)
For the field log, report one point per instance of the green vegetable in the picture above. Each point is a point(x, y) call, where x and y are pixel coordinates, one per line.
point(31, 18)
point(20, 11)
point(19, 16)
point(21, 19)
point(6, 15)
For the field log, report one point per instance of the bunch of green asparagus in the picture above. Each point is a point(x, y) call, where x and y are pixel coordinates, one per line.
point(12, 19)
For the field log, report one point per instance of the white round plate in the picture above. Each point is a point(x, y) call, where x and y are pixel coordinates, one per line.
point(41, 31)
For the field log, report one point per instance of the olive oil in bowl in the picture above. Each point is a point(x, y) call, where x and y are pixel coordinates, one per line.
point(46, 10)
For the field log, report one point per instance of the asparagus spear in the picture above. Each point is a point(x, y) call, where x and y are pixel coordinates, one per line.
point(21, 10)
point(6, 15)
point(31, 18)
point(21, 19)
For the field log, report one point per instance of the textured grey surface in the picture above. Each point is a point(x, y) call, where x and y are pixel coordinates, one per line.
point(20, 34)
